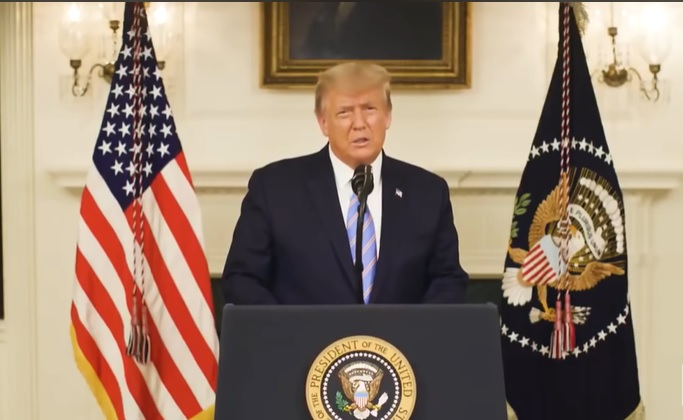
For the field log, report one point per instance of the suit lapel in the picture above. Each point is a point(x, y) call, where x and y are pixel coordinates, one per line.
point(393, 209)
point(325, 199)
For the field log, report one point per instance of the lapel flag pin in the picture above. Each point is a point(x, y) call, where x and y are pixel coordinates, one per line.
point(399, 193)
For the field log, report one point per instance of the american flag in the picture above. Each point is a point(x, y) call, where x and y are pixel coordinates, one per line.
point(142, 320)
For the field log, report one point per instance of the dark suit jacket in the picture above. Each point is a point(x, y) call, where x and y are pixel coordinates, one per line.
point(290, 244)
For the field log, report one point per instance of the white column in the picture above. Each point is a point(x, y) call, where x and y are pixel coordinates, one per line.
point(16, 137)
point(641, 283)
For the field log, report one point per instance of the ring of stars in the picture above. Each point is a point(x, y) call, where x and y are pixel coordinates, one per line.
point(582, 145)
point(544, 350)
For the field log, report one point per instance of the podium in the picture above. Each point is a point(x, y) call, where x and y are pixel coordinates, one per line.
point(347, 362)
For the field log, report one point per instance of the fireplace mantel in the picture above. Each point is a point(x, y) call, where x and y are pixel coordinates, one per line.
point(632, 180)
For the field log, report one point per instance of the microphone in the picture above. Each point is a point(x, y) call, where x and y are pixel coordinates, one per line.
point(362, 184)
point(362, 181)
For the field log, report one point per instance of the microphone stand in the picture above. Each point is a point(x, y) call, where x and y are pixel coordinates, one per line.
point(362, 200)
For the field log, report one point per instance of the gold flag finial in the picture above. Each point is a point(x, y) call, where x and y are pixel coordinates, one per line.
point(581, 15)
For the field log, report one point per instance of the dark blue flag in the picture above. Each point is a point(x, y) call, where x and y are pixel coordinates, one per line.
point(568, 343)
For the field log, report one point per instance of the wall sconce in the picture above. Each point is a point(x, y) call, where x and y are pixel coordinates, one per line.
point(96, 26)
point(646, 28)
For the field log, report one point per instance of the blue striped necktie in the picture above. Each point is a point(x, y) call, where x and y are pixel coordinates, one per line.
point(369, 244)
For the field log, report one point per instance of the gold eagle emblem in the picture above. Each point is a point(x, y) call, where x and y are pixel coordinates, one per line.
point(595, 234)
point(361, 383)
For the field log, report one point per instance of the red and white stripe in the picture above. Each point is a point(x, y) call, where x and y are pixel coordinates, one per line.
point(180, 380)
point(537, 269)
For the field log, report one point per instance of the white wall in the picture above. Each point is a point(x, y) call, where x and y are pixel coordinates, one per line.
point(228, 126)
point(4, 393)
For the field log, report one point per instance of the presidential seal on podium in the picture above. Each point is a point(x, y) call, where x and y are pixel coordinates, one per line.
point(361, 377)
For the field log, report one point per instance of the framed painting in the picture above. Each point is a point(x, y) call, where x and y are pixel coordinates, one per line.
point(425, 45)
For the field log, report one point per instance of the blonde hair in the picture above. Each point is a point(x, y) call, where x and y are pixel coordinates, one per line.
point(352, 77)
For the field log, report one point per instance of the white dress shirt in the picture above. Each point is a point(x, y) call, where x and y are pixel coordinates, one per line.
point(343, 174)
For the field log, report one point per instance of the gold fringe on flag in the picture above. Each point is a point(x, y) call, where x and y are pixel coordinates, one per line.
point(581, 15)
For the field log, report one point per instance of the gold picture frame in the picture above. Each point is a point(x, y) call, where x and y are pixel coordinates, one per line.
point(442, 64)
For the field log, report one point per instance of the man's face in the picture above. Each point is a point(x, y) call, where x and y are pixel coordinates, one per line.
point(355, 124)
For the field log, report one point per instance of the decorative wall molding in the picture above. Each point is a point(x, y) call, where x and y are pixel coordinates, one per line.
point(654, 180)
point(17, 126)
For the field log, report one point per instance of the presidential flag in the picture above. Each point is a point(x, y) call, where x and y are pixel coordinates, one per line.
point(142, 320)
point(567, 333)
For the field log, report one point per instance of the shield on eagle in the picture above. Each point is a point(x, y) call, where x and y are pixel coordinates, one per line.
point(360, 396)
point(361, 383)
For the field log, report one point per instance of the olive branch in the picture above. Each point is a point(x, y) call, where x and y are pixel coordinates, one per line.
point(340, 401)
point(521, 204)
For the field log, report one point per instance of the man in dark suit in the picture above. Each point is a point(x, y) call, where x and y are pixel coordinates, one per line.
point(294, 242)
